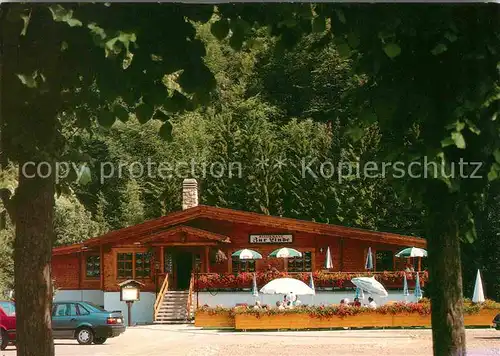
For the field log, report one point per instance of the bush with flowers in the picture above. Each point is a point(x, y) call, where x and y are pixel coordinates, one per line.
point(322, 279)
point(423, 307)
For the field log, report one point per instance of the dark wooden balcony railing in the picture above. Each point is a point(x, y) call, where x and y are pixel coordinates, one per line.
point(322, 280)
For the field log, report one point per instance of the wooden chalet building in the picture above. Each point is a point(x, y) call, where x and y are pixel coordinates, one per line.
point(166, 253)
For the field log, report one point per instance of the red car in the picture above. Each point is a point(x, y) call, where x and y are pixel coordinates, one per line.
point(7, 323)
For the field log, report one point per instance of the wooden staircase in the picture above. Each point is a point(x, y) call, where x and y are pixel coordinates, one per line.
point(174, 307)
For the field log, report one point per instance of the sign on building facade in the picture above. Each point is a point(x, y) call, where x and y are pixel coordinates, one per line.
point(271, 238)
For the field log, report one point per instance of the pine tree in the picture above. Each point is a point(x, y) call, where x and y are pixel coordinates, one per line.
point(132, 206)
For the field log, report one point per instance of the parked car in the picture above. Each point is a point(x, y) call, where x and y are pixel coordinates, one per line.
point(7, 324)
point(496, 322)
point(85, 322)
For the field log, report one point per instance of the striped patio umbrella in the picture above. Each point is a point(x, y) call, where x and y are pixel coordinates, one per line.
point(285, 252)
point(412, 252)
point(247, 254)
point(328, 261)
point(418, 291)
point(369, 259)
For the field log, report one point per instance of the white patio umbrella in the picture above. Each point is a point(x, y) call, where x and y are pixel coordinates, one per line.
point(328, 261)
point(412, 252)
point(370, 285)
point(255, 291)
point(478, 296)
point(359, 294)
point(285, 286)
point(311, 283)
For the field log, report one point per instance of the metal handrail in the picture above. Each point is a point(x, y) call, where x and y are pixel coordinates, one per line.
point(190, 296)
point(160, 296)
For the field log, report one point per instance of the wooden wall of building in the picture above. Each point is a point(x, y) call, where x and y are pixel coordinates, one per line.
point(66, 271)
point(348, 255)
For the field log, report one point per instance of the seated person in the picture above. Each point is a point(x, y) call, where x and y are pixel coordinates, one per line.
point(257, 305)
point(280, 305)
point(371, 303)
point(409, 268)
point(297, 303)
point(344, 302)
point(356, 302)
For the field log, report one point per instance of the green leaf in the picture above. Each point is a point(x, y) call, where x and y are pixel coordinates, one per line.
point(470, 235)
point(121, 113)
point(220, 29)
point(85, 176)
point(344, 50)
point(492, 174)
point(353, 40)
point(496, 154)
point(450, 36)
point(160, 115)
point(472, 127)
point(166, 131)
point(201, 13)
point(340, 16)
point(448, 141)
point(459, 140)
point(28, 80)
point(26, 20)
point(440, 48)
point(236, 41)
point(356, 133)
point(60, 14)
point(240, 25)
point(319, 24)
point(106, 118)
point(392, 50)
point(144, 112)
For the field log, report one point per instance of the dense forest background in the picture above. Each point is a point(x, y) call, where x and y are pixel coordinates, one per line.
point(271, 105)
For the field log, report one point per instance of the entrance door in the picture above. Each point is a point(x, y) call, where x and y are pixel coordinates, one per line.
point(184, 267)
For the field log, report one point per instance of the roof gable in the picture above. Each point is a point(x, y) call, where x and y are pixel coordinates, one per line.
point(164, 223)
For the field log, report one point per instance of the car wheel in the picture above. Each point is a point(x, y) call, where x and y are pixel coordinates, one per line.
point(100, 340)
point(84, 336)
point(4, 339)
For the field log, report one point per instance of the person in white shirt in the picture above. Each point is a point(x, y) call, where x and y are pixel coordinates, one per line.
point(371, 303)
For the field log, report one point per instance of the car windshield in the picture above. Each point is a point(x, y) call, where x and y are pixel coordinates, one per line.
point(95, 307)
point(9, 308)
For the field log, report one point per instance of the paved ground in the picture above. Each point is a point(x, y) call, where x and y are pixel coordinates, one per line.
point(190, 341)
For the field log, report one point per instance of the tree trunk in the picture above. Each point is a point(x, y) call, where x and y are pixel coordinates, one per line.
point(445, 277)
point(34, 206)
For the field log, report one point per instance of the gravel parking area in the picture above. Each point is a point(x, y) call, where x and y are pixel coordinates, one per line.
point(188, 340)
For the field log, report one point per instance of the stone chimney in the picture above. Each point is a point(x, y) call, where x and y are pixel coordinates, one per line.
point(189, 193)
